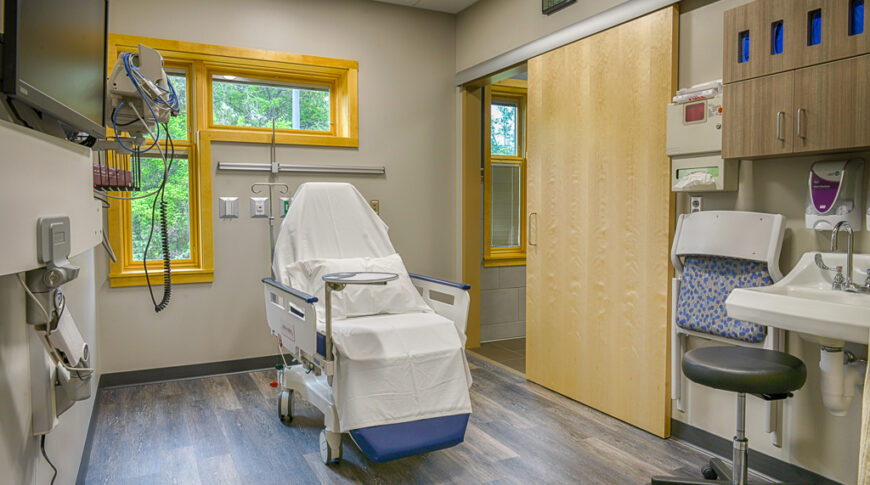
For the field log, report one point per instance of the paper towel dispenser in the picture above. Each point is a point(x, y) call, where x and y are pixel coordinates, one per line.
point(694, 141)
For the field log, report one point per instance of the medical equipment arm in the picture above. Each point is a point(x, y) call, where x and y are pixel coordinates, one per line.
point(451, 300)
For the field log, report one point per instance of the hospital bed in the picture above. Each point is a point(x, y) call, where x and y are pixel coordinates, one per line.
point(384, 365)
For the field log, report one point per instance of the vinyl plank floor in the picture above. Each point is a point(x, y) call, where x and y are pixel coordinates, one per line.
point(225, 429)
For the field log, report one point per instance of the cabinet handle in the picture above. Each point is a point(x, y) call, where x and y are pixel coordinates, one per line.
point(800, 115)
point(530, 228)
point(779, 116)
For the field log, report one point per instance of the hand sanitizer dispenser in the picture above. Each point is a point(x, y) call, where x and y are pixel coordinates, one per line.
point(835, 194)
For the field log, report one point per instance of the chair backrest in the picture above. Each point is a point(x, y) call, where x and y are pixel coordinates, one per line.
point(329, 220)
point(715, 252)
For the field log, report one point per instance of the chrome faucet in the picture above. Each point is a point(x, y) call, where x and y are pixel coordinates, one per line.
point(846, 285)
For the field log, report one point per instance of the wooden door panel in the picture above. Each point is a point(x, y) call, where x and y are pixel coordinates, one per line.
point(758, 117)
point(834, 104)
point(601, 216)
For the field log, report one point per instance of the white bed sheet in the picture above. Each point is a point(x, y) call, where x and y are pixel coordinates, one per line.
point(398, 368)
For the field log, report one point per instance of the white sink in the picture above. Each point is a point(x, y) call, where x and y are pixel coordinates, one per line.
point(804, 302)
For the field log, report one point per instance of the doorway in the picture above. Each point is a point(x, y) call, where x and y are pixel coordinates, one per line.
point(501, 215)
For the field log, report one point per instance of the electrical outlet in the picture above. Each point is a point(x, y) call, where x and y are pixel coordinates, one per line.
point(229, 207)
point(259, 207)
point(376, 206)
point(696, 203)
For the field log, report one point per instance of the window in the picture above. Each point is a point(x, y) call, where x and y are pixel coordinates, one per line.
point(228, 95)
point(504, 176)
point(255, 103)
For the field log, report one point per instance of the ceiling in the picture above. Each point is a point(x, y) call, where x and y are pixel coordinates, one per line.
point(449, 6)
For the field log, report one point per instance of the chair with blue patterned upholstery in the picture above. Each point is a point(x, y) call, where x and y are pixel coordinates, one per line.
point(713, 253)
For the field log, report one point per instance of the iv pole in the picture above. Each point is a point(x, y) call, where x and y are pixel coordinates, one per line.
point(283, 189)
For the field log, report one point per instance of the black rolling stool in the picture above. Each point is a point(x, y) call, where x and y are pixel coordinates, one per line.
point(768, 374)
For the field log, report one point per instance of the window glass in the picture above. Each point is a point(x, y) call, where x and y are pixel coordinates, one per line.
point(178, 124)
point(177, 196)
point(503, 132)
point(253, 103)
point(506, 200)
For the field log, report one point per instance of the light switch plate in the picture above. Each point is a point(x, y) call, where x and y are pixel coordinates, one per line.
point(285, 205)
point(376, 206)
point(259, 207)
point(228, 207)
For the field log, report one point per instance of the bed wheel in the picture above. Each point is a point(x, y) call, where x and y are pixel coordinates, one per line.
point(330, 453)
point(285, 407)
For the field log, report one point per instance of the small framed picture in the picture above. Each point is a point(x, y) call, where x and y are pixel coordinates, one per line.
point(550, 6)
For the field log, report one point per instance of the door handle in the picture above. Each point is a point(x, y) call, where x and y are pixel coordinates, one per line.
point(530, 228)
point(800, 131)
point(779, 116)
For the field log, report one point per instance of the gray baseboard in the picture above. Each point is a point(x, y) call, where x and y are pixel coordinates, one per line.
point(764, 464)
point(145, 376)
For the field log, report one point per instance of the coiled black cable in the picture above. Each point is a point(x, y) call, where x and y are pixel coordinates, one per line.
point(164, 235)
point(167, 260)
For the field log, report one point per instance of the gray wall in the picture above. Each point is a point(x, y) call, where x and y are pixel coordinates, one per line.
point(407, 123)
point(20, 458)
point(491, 27)
point(813, 438)
point(502, 303)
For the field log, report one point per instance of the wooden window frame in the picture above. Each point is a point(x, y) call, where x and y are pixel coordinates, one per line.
point(513, 91)
point(200, 62)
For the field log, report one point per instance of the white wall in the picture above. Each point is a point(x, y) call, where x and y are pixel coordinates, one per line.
point(20, 459)
point(492, 27)
point(813, 439)
point(407, 123)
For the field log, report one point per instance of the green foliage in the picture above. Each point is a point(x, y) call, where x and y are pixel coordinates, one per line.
point(245, 104)
point(503, 132)
point(178, 124)
point(177, 196)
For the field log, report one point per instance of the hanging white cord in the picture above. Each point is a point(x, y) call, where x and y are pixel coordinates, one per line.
point(162, 155)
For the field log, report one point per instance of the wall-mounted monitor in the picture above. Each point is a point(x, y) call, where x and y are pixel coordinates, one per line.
point(54, 61)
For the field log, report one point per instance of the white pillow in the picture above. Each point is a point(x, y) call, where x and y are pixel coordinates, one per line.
point(397, 296)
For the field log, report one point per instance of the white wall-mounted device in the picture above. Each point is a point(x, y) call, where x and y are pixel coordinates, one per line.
point(260, 207)
point(228, 207)
point(694, 142)
point(834, 194)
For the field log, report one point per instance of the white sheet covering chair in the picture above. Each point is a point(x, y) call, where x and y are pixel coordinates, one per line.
point(749, 243)
point(398, 383)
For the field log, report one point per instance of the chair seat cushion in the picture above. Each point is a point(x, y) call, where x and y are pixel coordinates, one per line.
point(706, 283)
point(745, 369)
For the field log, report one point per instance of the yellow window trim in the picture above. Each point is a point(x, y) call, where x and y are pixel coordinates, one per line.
point(514, 91)
point(200, 61)
point(341, 76)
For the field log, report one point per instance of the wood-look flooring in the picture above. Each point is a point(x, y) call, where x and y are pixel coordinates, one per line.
point(225, 429)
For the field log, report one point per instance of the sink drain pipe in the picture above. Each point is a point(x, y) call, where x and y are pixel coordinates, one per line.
point(842, 375)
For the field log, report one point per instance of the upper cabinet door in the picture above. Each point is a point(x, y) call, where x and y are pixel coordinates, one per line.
point(760, 39)
point(832, 106)
point(829, 30)
point(742, 56)
point(759, 119)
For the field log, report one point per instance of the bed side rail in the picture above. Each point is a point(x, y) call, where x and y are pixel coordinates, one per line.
point(448, 299)
point(292, 317)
